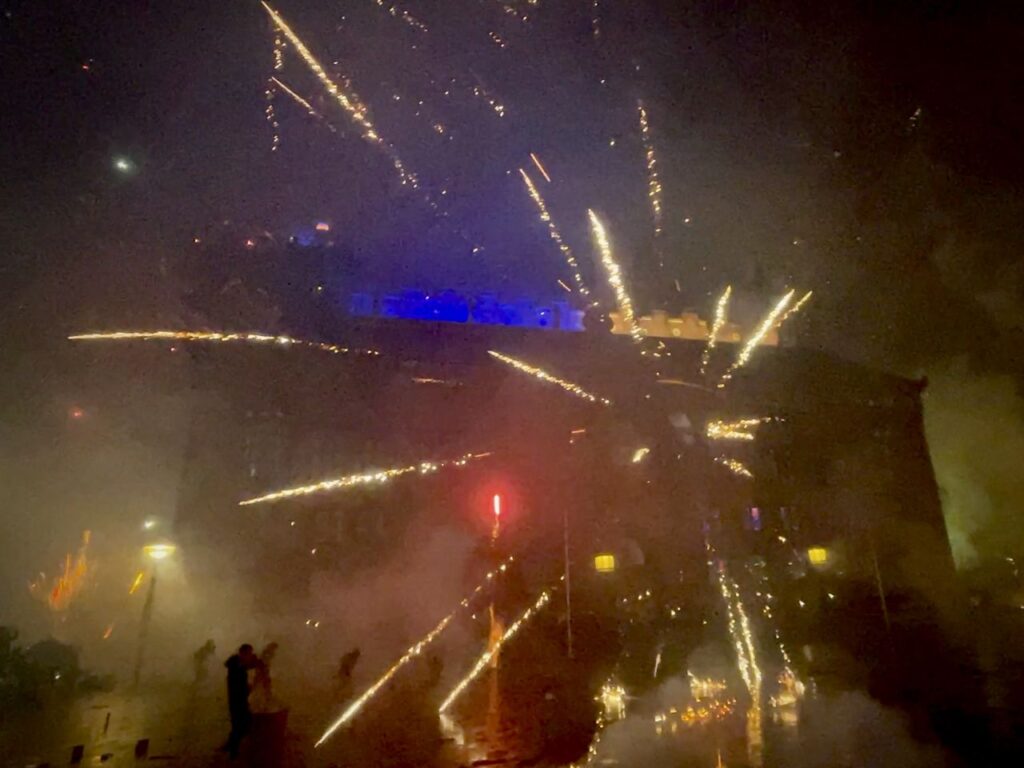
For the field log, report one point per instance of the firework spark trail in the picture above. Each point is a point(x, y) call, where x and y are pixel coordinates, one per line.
point(214, 336)
point(65, 587)
point(555, 235)
point(614, 276)
point(349, 102)
point(770, 321)
point(364, 478)
point(653, 183)
point(304, 104)
point(354, 708)
point(540, 167)
point(271, 92)
point(721, 315)
point(543, 375)
point(739, 630)
point(796, 307)
point(485, 658)
point(404, 15)
point(733, 430)
point(734, 466)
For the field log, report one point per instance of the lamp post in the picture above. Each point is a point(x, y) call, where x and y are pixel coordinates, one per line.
point(155, 553)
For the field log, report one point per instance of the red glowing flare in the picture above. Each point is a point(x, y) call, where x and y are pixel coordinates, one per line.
point(496, 504)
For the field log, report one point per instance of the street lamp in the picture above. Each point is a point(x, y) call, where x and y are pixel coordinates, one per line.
point(157, 553)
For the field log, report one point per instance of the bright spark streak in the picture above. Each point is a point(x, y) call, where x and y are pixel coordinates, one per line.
point(485, 658)
point(733, 430)
point(304, 104)
point(796, 307)
point(554, 234)
point(349, 102)
point(353, 709)
point(399, 13)
point(135, 583)
point(734, 466)
point(614, 275)
point(540, 167)
point(640, 454)
point(653, 183)
point(770, 321)
point(564, 286)
point(543, 375)
point(245, 337)
point(367, 478)
point(721, 314)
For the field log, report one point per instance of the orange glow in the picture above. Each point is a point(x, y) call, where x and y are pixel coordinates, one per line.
point(65, 588)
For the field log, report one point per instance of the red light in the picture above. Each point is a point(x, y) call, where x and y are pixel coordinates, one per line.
point(77, 413)
point(497, 505)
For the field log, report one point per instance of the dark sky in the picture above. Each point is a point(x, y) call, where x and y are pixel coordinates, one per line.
point(870, 151)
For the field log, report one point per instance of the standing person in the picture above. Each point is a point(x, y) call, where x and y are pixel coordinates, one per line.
point(238, 667)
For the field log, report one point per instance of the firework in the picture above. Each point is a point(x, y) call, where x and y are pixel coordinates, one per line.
point(769, 322)
point(732, 430)
point(244, 337)
point(540, 167)
point(353, 709)
point(367, 478)
point(304, 104)
point(653, 184)
point(796, 307)
point(739, 630)
point(481, 92)
point(734, 466)
point(399, 13)
point(136, 582)
point(485, 658)
point(721, 314)
point(543, 375)
point(65, 587)
point(555, 235)
point(614, 275)
point(348, 101)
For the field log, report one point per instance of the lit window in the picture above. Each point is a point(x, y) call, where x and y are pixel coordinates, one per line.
point(817, 555)
point(604, 563)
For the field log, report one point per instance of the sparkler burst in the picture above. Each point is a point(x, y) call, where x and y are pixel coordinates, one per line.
point(734, 466)
point(349, 102)
point(367, 478)
point(653, 183)
point(733, 430)
point(614, 276)
point(543, 375)
point(555, 235)
point(304, 104)
point(769, 322)
point(404, 15)
point(796, 307)
point(485, 657)
point(246, 337)
point(721, 315)
point(353, 709)
point(62, 591)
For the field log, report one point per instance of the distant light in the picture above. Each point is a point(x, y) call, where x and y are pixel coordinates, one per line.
point(149, 524)
point(323, 226)
point(124, 165)
point(831, 596)
point(159, 551)
point(250, 243)
point(818, 555)
point(604, 562)
point(76, 413)
point(640, 454)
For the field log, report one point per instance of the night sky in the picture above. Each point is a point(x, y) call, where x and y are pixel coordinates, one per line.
point(868, 151)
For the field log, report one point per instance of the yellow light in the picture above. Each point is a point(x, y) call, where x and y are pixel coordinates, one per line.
point(614, 276)
point(721, 314)
point(818, 555)
point(366, 478)
point(640, 454)
point(304, 104)
point(135, 584)
point(543, 375)
point(653, 183)
point(734, 466)
point(349, 101)
point(770, 321)
point(353, 709)
point(404, 15)
point(554, 234)
point(159, 551)
point(732, 430)
point(485, 658)
point(604, 563)
point(247, 337)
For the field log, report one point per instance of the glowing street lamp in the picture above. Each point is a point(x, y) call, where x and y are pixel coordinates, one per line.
point(157, 553)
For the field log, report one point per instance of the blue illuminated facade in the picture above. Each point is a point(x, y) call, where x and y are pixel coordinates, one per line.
point(483, 309)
